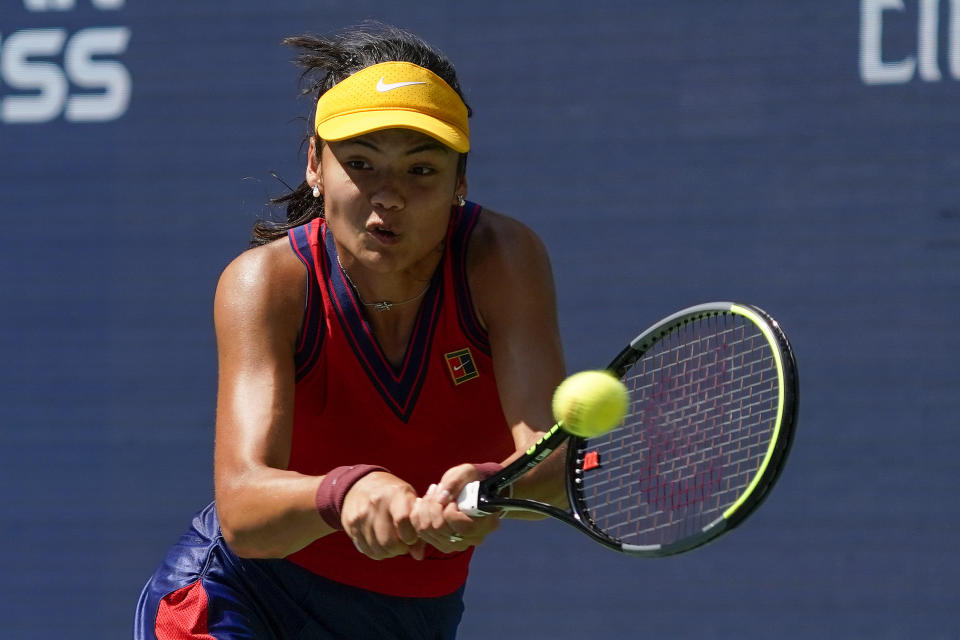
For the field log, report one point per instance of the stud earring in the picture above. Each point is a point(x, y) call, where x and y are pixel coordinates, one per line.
point(316, 191)
point(460, 200)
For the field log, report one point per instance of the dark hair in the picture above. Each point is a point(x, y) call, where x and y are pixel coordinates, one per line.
point(325, 62)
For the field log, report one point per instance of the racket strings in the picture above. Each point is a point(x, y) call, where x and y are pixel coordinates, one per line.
point(703, 409)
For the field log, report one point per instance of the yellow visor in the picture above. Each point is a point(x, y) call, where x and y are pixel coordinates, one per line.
point(394, 95)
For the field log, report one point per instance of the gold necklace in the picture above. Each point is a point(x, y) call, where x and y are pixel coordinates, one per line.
point(382, 305)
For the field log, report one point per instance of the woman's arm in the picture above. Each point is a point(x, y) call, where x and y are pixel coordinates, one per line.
point(512, 287)
point(265, 510)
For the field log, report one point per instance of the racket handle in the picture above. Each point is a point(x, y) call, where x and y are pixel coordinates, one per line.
point(469, 499)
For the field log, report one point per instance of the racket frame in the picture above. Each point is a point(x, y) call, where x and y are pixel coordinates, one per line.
point(485, 496)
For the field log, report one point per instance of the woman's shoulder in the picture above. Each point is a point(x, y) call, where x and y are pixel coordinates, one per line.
point(270, 274)
point(502, 242)
point(508, 269)
point(266, 263)
point(497, 235)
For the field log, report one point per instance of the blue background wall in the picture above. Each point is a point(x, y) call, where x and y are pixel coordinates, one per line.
point(798, 155)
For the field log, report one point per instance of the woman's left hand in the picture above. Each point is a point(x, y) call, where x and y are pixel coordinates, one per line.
point(440, 523)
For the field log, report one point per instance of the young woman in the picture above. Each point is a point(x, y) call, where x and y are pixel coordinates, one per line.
point(386, 345)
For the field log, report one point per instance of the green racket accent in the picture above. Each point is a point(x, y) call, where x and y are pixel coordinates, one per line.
point(543, 438)
point(771, 339)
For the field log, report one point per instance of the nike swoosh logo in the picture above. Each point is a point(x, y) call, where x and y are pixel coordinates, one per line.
point(383, 87)
point(458, 367)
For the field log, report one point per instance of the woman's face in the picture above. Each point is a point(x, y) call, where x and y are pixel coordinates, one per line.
point(387, 196)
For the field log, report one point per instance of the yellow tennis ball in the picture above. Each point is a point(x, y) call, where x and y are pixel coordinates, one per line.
point(590, 403)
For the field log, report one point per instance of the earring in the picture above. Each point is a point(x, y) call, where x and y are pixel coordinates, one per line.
point(316, 191)
point(460, 200)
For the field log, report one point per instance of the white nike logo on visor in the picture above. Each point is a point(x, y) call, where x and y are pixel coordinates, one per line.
point(383, 87)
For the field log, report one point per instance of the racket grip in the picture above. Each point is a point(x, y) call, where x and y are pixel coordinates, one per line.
point(469, 499)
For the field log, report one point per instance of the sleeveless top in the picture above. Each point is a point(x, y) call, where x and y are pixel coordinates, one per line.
point(437, 409)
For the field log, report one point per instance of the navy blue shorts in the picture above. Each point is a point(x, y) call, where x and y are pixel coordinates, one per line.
point(202, 590)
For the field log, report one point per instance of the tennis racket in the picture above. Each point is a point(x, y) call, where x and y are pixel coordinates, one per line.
point(712, 413)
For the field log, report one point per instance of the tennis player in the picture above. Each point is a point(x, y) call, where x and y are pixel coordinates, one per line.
point(385, 345)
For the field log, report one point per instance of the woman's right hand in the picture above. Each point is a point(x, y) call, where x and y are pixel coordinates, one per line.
point(376, 516)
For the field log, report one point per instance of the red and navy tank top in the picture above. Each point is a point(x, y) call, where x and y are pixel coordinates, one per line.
point(437, 409)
